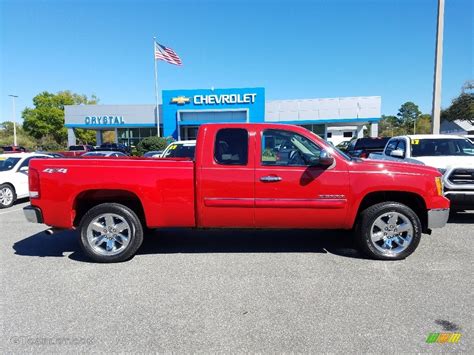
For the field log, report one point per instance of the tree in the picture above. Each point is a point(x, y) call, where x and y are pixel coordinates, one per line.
point(6, 136)
point(153, 143)
point(389, 126)
point(47, 116)
point(407, 114)
point(423, 124)
point(462, 108)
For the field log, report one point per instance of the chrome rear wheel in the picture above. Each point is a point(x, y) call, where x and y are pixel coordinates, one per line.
point(108, 234)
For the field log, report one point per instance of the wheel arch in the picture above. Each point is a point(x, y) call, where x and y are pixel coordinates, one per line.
point(413, 200)
point(88, 199)
point(9, 184)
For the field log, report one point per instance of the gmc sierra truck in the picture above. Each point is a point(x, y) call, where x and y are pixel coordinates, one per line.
point(243, 176)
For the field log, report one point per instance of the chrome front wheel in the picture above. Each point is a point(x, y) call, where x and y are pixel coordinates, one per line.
point(388, 231)
point(391, 233)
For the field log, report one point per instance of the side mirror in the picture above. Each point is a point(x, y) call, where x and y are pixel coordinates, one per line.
point(397, 153)
point(23, 169)
point(325, 159)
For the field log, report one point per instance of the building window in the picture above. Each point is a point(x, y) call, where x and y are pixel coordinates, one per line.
point(188, 132)
point(132, 136)
point(348, 134)
point(329, 135)
point(318, 129)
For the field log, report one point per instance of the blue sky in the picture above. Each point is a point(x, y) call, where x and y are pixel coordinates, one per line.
point(295, 49)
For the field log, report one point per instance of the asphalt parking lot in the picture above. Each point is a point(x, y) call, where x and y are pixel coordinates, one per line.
point(246, 291)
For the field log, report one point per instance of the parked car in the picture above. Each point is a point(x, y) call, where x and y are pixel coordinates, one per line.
point(343, 145)
point(116, 147)
point(104, 154)
point(452, 155)
point(10, 149)
point(153, 154)
point(77, 150)
point(180, 149)
point(237, 180)
point(362, 147)
point(52, 154)
point(14, 176)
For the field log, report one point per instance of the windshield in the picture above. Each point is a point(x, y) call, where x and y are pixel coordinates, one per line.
point(336, 149)
point(76, 147)
point(180, 151)
point(441, 147)
point(94, 155)
point(8, 164)
point(371, 143)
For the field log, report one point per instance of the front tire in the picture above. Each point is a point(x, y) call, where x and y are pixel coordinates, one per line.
point(388, 231)
point(7, 196)
point(110, 232)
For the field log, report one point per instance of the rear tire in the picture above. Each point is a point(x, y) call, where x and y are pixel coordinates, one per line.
point(388, 231)
point(110, 232)
point(7, 196)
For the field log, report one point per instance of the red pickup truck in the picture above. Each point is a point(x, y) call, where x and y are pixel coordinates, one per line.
point(243, 176)
point(77, 150)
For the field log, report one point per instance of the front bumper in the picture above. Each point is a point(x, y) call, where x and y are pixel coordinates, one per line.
point(437, 218)
point(461, 199)
point(33, 214)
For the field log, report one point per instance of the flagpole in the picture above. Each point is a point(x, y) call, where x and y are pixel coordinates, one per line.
point(156, 92)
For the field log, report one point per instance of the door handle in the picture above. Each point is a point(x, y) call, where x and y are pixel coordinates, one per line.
point(270, 178)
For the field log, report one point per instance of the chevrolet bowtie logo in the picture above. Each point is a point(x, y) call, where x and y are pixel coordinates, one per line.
point(180, 100)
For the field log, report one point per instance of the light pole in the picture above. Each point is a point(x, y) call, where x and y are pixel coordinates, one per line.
point(436, 111)
point(14, 119)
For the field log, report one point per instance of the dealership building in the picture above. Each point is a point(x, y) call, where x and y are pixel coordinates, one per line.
point(183, 111)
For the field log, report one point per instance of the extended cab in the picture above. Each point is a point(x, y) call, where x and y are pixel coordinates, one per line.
point(243, 176)
point(452, 155)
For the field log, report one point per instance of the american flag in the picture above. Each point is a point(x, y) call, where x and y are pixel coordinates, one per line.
point(166, 54)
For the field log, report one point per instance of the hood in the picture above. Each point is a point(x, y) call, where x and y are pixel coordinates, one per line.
point(395, 167)
point(444, 162)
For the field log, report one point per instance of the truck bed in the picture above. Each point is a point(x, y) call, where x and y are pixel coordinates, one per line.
point(163, 187)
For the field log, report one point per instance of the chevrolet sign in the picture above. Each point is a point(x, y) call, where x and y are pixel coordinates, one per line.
point(224, 99)
point(180, 100)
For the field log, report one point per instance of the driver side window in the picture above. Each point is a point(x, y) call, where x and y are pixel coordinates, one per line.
point(285, 148)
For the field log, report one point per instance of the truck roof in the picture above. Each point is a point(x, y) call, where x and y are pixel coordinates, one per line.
point(433, 136)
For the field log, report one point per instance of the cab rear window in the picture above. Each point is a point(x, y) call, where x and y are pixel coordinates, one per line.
point(231, 146)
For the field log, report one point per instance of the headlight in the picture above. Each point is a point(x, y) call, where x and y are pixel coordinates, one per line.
point(439, 185)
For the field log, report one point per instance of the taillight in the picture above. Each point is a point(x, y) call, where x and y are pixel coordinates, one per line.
point(34, 183)
point(363, 155)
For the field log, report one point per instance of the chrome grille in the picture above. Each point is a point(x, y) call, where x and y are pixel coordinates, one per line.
point(462, 176)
